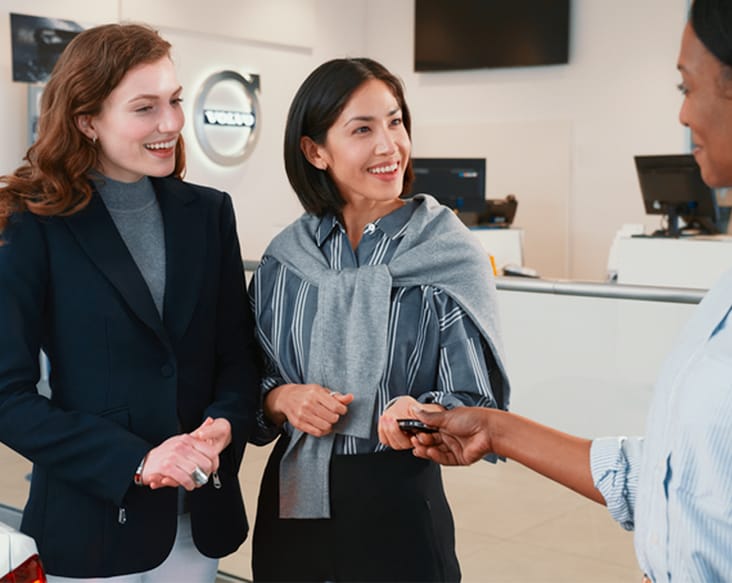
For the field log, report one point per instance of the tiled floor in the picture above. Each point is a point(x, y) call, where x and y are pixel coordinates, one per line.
point(512, 525)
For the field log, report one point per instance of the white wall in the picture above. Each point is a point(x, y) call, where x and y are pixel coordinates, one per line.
point(561, 138)
point(615, 99)
point(281, 40)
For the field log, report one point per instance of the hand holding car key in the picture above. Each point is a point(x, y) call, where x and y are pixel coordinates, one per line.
point(412, 426)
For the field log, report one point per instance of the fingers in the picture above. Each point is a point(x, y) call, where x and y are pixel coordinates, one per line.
point(430, 417)
point(440, 454)
point(204, 430)
point(314, 409)
point(215, 433)
point(173, 462)
point(344, 399)
point(391, 435)
point(389, 432)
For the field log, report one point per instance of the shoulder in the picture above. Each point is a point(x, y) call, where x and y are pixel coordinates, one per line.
point(189, 191)
point(431, 219)
point(21, 226)
point(268, 267)
point(301, 232)
point(23, 247)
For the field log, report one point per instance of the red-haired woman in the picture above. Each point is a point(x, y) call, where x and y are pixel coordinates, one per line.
point(130, 280)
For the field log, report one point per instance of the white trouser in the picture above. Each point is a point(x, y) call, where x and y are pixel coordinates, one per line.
point(185, 564)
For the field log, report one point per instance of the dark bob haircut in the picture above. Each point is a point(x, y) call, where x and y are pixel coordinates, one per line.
point(712, 24)
point(315, 108)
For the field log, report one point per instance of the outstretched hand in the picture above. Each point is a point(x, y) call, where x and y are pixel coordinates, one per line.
point(464, 435)
point(389, 432)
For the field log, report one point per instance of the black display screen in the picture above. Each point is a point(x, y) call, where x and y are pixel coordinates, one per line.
point(473, 34)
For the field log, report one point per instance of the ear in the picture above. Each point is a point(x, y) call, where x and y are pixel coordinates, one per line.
point(313, 152)
point(86, 127)
point(726, 81)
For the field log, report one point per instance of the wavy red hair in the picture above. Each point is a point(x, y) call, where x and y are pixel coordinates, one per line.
point(53, 180)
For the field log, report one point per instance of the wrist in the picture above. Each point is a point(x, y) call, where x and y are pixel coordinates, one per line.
point(137, 479)
point(271, 406)
point(498, 436)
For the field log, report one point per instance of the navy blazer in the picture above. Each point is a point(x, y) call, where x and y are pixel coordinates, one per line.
point(122, 379)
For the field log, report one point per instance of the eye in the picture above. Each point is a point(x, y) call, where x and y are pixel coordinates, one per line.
point(397, 121)
point(176, 101)
point(144, 109)
point(362, 130)
point(682, 88)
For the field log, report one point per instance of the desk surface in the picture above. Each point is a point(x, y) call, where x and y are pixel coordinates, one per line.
point(689, 262)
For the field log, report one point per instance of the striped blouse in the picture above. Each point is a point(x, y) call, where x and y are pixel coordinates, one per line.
point(436, 354)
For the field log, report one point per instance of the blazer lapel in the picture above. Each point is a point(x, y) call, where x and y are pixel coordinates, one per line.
point(96, 233)
point(185, 250)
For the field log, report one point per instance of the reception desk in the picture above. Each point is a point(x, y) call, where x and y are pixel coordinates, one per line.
point(583, 357)
point(688, 262)
point(506, 245)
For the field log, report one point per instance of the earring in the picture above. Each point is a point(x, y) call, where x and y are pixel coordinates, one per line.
point(94, 140)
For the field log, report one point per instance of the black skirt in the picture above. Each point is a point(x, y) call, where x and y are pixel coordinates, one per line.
point(390, 521)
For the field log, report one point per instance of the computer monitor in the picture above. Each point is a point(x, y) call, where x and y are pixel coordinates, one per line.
point(672, 185)
point(458, 183)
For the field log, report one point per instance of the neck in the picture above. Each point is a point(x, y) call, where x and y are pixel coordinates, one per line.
point(356, 217)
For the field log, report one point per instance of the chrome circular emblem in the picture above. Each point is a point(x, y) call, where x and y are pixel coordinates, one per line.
point(225, 117)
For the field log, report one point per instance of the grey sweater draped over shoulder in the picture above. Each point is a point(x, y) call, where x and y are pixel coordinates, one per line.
point(348, 351)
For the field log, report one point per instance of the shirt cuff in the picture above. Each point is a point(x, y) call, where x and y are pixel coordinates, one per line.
point(447, 400)
point(612, 475)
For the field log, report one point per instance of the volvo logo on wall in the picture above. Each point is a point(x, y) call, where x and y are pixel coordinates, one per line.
point(226, 115)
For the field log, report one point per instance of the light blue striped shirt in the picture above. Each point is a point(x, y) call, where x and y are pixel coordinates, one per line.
point(675, 485)
point(436, 354)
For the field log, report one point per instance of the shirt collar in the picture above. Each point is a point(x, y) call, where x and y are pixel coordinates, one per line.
point(392, 225)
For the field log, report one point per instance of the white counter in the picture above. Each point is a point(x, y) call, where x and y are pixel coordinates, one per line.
point(690, 262)
point(583, 361)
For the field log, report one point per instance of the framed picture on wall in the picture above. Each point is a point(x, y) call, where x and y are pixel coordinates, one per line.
point(37, 43)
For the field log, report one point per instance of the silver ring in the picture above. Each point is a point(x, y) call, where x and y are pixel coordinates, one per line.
point(199, 477)
point(333, 394)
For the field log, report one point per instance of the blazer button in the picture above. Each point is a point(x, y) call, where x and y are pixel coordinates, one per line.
point(167, 370)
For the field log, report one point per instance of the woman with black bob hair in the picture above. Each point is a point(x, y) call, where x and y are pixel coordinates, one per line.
point(315, 112)
point(367, 305)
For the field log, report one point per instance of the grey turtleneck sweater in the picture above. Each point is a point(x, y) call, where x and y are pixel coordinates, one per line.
point(135, 211)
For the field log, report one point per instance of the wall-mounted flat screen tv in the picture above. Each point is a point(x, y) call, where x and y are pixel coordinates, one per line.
point(476, 34)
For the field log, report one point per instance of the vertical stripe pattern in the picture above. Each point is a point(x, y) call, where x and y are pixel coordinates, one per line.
point(435, 353)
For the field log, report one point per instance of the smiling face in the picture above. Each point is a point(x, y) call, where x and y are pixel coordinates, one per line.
point(367, 149)
point(707, 109)
point(139, 124)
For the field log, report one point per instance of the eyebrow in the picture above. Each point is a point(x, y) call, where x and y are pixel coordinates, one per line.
point(371, 117)
point(153, 95)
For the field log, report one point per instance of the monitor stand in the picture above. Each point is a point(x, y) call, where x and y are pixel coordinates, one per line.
point(672, 224)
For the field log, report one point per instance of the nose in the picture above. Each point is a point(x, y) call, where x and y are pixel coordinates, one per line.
point(385, 142)
point(684, 113)
point(171, 119)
